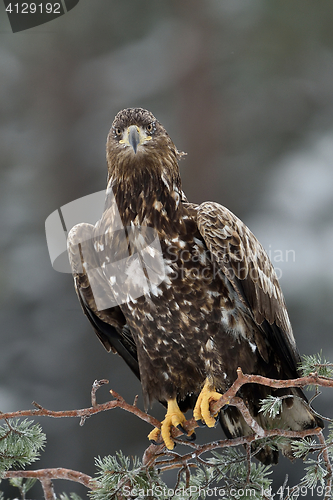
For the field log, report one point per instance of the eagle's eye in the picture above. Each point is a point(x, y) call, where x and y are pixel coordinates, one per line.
point(118, 131)
point(150, 127)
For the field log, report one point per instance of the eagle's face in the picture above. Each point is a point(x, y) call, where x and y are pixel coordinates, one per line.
point(140, 154)
point(135, 132)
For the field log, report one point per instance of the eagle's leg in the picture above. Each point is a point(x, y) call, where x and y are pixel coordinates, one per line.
point(174, 417)
point(201, 410)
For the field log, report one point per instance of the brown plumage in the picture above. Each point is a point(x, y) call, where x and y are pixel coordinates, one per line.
point(217, 304)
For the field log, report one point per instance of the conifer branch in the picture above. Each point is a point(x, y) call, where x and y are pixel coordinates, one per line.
point(157, 458)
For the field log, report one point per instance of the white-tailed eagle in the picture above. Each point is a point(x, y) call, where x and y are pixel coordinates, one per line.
point(216, 307)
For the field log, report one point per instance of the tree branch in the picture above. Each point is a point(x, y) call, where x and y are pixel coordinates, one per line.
point(84, 413)
point(153, 452)
point(156, 455)
point(48, 489)
point(242, 379)
point(229, 397)
point(45, 475)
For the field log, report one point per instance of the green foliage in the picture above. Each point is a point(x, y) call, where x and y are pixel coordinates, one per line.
point(24, 485)
point(226, 474)
point(316, 473)
point(271, 406)
point(329, 440)
point(231, 467)
point(119, 474)
point(303, 447)
point(197, 485)
point(316, 363)
point(20, 443)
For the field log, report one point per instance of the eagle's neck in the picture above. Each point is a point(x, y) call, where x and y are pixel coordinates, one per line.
point(148, 197)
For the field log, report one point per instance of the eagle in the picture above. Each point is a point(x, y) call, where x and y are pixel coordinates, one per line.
point(184, 293)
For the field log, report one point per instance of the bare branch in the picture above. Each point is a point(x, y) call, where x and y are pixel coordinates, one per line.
point(48, 474)
point(48, 489)
point(228, 398)
point(85, 412)
point(96, 385)
point(242, 379)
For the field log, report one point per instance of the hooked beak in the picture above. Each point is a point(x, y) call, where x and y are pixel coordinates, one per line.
point(134, 137)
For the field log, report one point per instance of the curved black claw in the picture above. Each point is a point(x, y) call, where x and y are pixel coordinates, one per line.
point(181, 428)
point(154, 442)
point(188, 437)
point(201, 423)
point(191, 437)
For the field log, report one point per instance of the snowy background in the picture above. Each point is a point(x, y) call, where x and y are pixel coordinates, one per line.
point(246, 89)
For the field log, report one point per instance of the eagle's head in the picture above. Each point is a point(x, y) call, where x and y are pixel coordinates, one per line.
point(138, 145)
point(135, 131)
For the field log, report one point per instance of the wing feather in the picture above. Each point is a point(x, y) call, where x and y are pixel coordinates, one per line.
point(109, 324)
point(247, 266)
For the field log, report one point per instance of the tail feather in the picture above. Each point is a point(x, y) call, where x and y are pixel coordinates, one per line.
point(295, 415)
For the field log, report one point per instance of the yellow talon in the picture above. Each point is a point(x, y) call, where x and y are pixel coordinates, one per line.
point(201, 410)
point(173, 417)
point(154, 434)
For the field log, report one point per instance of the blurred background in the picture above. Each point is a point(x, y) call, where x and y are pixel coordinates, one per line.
point(246, 89)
